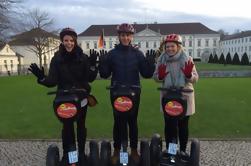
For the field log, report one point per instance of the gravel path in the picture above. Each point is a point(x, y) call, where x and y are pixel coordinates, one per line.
point(213, 153)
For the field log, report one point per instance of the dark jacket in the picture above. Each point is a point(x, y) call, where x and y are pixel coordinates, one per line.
point(69, 70)
point(125, 63)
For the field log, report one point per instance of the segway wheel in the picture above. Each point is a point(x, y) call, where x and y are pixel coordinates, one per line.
point(145, 153)
point(52, 156)
point(105, 153)
point(94, 154)
point(155, 150)
point(195, 153)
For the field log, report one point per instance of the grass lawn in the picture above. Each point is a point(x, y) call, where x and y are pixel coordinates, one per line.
point(209, 66)
point(222, 104)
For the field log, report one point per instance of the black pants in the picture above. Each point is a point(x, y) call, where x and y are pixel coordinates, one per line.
point(68, 134)
point(174, 128)
point(121, 124)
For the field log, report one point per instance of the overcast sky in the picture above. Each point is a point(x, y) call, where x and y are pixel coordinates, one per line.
point(80, 14)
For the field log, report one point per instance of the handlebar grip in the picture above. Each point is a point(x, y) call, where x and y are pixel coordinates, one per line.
point(187, 90)
point(109, 87)
point(160, 88)
point(51, 93)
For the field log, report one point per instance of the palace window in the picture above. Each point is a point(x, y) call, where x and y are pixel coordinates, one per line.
point(95, 45)
point(154, 44)
point(104, 44)
point(110, 44)
point(190, 43)
point(190, 52)
point(87, 45)
point(198, 53)
point(184, 43)
point(199, 42)
point(207, 42)
point(215, 42)
point(139, 44)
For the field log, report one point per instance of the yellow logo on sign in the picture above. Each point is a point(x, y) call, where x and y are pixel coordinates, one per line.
point(170, 104)
point(62, 106)
point(119, 99)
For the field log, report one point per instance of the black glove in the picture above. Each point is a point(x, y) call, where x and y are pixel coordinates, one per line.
point(150, 56)
point(39, 73)
point(93, 57)
point(102, 56)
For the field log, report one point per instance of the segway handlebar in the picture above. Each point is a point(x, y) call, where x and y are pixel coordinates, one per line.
point(67, 91)
point(123, 86)
point(175, 89)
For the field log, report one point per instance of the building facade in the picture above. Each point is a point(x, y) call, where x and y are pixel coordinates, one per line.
point(27, 44)
point(9, 60)
point(198, 40)
point(239, 43)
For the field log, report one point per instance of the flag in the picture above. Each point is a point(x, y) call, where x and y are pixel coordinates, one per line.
point(101, 40)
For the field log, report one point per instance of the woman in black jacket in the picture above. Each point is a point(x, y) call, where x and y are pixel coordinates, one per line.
point(70, 68)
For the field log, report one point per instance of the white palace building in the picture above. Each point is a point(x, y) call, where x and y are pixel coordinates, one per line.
point(198, 40)
point(239, 43)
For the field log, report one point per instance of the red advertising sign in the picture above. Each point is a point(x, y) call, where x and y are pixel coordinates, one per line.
point(123, 104)
point(67, 110)
point(173, 108)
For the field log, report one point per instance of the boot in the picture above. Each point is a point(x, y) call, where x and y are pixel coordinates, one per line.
point(115, 157)
point(82, 159)
point(64, 160)
point(81, 141)
point(135, 155)
point(184, 156)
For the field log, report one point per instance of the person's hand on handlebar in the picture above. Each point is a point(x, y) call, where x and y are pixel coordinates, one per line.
point(39, 73)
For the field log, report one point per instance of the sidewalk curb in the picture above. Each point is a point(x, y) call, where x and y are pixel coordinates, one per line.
point(109, 139)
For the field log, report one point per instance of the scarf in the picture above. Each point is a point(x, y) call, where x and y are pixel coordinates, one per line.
point(175, 77)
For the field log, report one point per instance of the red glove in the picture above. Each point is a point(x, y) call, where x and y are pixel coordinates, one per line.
point(187, 70)
point(162, 72)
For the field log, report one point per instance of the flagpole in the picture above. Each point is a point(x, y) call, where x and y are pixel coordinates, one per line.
point(103, 31)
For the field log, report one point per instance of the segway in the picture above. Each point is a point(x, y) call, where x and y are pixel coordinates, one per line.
point(66, 107)
point(174, 106)
point(123, 102)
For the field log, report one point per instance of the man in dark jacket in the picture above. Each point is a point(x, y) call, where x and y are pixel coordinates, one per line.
point(70, 68)
point(125, 64)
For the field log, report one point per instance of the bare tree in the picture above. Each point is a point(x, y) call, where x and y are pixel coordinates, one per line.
point(236, 31)
point(41, 45)
point(6, 9)
point(41, 40)
point(37, 18)
point(222, 33)
point(7, 4)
